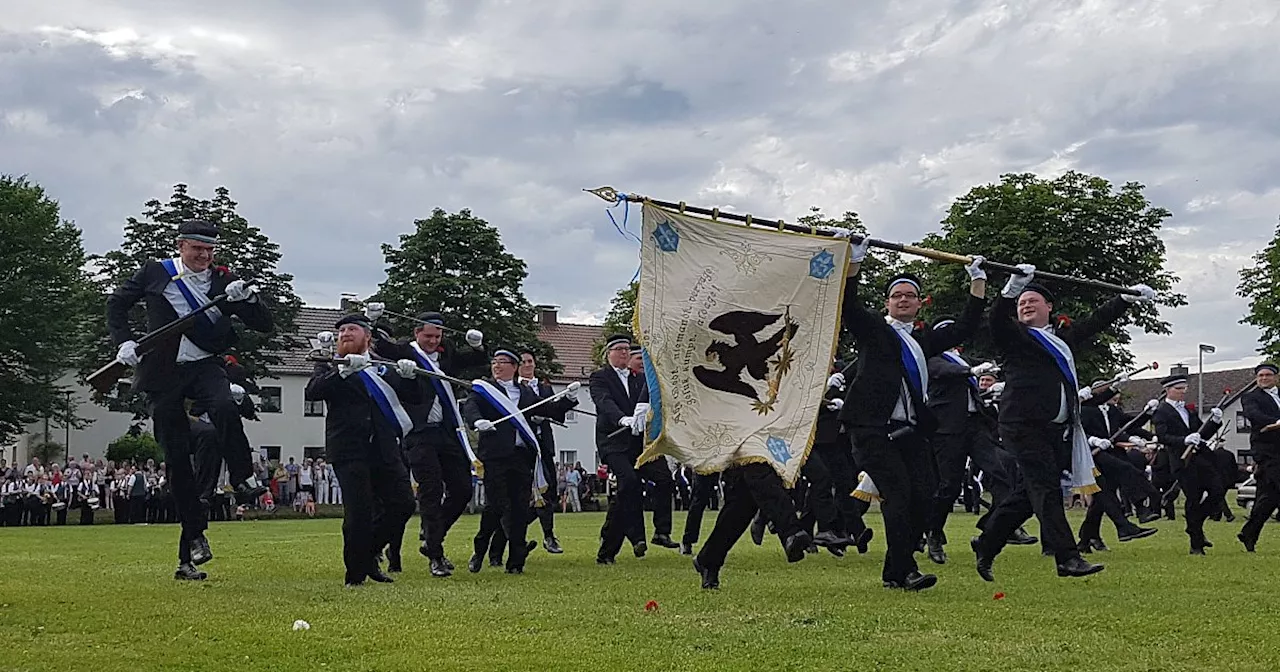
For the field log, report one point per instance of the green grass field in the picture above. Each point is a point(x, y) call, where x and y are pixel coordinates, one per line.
point(101, 598)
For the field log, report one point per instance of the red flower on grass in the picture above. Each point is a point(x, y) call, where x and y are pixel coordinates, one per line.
point(651, 606)
point(999, 596)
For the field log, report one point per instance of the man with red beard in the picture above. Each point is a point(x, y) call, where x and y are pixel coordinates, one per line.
point(364, 423)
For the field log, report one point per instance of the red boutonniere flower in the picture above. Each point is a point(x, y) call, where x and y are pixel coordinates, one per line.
point(928, 300)
point(222, 270)
point(918, 325)
point(1063, 321)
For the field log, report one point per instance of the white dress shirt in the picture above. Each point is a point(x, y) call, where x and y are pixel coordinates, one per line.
point(199, 283)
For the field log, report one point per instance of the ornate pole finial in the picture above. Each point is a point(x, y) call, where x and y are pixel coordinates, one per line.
point(604, 193)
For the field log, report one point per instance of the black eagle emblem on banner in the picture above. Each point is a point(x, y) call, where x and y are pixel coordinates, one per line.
point(746, 353)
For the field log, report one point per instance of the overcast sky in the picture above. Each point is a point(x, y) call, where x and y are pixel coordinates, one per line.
point(336, 123)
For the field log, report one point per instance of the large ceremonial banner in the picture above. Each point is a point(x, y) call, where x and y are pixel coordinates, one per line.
point(739, 327)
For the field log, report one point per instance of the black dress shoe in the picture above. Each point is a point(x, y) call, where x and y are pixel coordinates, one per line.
point(380, 577)
point(686, 548)
point(1097, 545)
point(1083, 546)
point(936, 553)
point(710, 575)
point(1147, 517)
point(837, 551)
point(353, 583)
point(827, 539)
point(664, 540)
point(1137, 533)
point(394, 567)
point(757, 531)
point(605, 560)
point(552, 545)
point(188, 572)
point(200, 552)
point(812, 549)
point(863, 542)
point(1019, 537)
point(475, 563)
point(920, 545)
point(447, 565)
point(915, 581)
point(1206, 543)
point(1197, 550)
point(495, 562)
point(439, 570)
point(640, 548)
point(519, 569)
point(795, 546)
point(246, 494)
point(1077, 567)
point(1250, 545)
point(984, 562)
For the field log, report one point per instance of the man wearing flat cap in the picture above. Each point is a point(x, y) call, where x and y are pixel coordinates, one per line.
point(189, 366)
point(1039, 419)
point(886, 408)
point(365, 422)
point(438, 449)
point(1179, 430)
point(1262, 408)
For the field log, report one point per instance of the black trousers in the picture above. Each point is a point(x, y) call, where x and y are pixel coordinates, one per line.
point(903, 472)
point(951, 451)
point(1103, 502)
point(748, 489)
point(1202, 486)
point(207, 460)
point(377, 502)
point(626, 516)
point(1042, 452)
point(60, 516)
point(700, 491)
point(838, 458)
point(819, 503)
point(1121, 473)
point(1266, 473)
point(443, 472)
point(204, 382)
point(508, 487)
point(138, 510)
point(86, 515)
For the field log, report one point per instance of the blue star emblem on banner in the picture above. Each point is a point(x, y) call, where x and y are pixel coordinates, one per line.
point(667, 237)
point(778, 448)
point(821, 265)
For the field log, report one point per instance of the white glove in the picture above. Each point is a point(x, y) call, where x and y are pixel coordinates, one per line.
point(1101, 444)
point(1085, 393)
point(627, 421)
point(237, 393)
point(836, 231)
point(325, 338)
point(1216, 415)
point(406, 368)
point(983, 368)
point(1120, 382)
point(835, 404)
point(239, 290)
point(640, 419)
point(483, 425)
point(1017, 283)
point(836, 380)
point(1193, 440)
point(1137, 441)
point(996, 389)
point(128, 353)
point(858, 250)
point(976, 272)
point(474, 338)
point(1145, 295)
point(1152, 406)
point(374, 310)
point(353, 364)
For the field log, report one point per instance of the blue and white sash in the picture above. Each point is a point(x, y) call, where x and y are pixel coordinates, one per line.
point(913, 362)
point(444, 392)
point(195, 300)
point(1082, 468)
point(499, 400)
point(957, 359)
point(386, 399)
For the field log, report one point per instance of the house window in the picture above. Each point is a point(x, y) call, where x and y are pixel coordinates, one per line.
point(312, 452)
point(1242, 423)
point(313, 409)
point(269, 400)
point(273, 453)
point(568, 457)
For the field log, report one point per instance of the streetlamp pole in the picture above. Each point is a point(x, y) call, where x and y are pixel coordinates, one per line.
point(1204, 347)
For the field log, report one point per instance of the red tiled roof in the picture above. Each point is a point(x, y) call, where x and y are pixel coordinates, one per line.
point(575, 346)
point(1139, 391)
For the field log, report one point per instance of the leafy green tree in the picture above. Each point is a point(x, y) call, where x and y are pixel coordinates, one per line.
point(44, 301)
point(136, 447)
point(242, 247)
point(621, 318)
point(456, 264)
point(1077, 225)
point(1261, 286)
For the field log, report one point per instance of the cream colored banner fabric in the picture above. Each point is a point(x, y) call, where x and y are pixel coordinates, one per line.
point(739, 327)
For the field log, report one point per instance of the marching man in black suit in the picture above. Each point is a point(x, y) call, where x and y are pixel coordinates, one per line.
point(886, 409)
point(1039, 417)
point(365, 421)
point(439, 452)
point(832, 445)
point(621, 399)
point(966, 431)
point(1179, 429)
point(1262, 408)
point(189, 367)
point(1114, 472)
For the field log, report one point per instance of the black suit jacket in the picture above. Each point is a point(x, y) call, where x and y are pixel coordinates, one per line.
point(1091, 418)
point(828, 426)
point(949, 396)
point(876, 386)
point(554, 411)
point(613, 402)
point(501, 442)
point(354, 426)
point(154, 372)
point(1034, 384)
point(1173, 431)
point(451, 361)
point(1261, 410)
